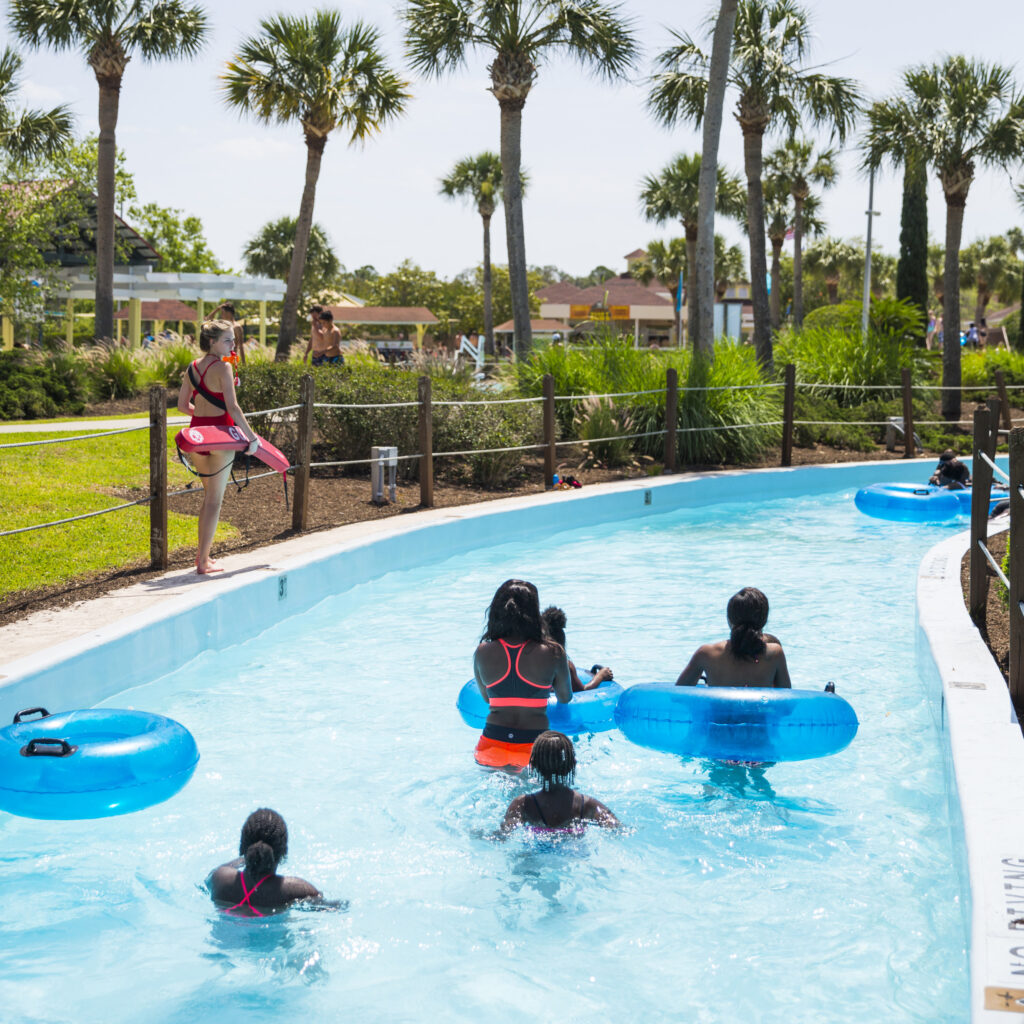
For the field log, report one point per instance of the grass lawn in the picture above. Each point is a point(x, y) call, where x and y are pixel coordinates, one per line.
point(55, 481)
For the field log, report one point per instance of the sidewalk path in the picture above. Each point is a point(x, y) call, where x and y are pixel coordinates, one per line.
point(84, 426)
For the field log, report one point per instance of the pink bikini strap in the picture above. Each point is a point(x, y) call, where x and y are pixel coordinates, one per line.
point(247, 894)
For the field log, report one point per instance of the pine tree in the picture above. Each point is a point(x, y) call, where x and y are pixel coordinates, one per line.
point(912, 269)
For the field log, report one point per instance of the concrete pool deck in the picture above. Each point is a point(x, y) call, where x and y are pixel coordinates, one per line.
point(79, 656)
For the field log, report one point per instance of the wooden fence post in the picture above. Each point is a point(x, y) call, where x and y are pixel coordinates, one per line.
point(158, 478)
point(1016, 573)
point(993, 405)
point(671, 418)
point(909, 445)
point(426, 443)
point(550, 454)
point(788, 405)
point(304, 454)
point(981, 473)
point(1004, 398)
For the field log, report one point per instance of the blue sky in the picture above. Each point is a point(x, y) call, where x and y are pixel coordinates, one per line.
point(586, 144)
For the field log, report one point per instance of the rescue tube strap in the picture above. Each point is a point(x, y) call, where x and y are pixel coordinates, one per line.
point(199, 385)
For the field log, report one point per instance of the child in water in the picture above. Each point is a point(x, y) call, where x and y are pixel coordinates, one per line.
point(556, 805)
point(553, 621)
point(749, 657)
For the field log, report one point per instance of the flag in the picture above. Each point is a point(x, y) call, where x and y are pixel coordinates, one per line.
point(679, 294)
point(790, 235)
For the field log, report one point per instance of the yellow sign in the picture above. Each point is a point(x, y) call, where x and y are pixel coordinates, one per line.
point(599, 314)
point(618, 312)
point(579, 312)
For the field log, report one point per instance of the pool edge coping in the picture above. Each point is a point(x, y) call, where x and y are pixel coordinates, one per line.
point(985, 751)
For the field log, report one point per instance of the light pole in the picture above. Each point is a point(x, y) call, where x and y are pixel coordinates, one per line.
point(871, 212)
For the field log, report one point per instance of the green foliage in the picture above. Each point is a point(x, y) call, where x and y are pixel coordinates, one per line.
point(831, 351)
point(115, 372)
point(597, 419)
point(31, 390)
point(269, 253)
point(165, 364)
point(179, 239)
point(912, 270)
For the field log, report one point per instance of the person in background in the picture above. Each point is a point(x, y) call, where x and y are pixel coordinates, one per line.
point(315, 327)
point(250, 884)
point(556, 805)
point(750, 657)
point(329, 342)
point(930, 333)
point(951, 472)
point(553, 621)
point(207, 394)
point(516, 667)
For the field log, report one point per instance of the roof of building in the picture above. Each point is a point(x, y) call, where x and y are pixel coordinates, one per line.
point(636, 254)
point(163, 309)
point(537, 326)
point(557, 292)
point(619, 292)
point(132, 249)
point(382, 315)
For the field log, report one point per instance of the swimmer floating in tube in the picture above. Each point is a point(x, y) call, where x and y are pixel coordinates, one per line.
point(749, 657)
point(553, 621)
point(516, 667)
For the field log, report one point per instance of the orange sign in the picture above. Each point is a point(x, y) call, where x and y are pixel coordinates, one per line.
point(579, 312)
point(618, 312)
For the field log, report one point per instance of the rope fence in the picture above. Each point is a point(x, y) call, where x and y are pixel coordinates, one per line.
point(304, 413)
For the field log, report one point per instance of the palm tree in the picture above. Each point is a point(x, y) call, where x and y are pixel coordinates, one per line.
point(955, 114)
point(478, 178)
point(832, 257)
point(1016, 238)
point(314, 71)
point(269, 253)
point(520, 34)
point(797, 163)
point(703, 329)
point(779, 219)
point(730, 266)
point(992, 265)
point(673, 195)
point(771, 40)
point(109, 34)
point(28, 134)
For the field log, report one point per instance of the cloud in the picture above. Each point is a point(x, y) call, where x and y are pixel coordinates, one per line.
point(33, 94)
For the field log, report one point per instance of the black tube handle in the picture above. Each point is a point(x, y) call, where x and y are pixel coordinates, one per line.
point(830, 687)
point(22, 715)
point(42, 746)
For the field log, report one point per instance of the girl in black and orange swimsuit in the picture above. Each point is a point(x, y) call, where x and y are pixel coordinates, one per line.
point(208, 395)
point(516, 668)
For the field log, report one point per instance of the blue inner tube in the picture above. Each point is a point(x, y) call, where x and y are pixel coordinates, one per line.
point(736, 723)
point(917, 503)
point(590, 711)
point(92, 764)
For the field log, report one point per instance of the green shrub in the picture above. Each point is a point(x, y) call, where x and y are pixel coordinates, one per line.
point(598, 418)
point(114, 372)
point(34, 389)
point(165, 364)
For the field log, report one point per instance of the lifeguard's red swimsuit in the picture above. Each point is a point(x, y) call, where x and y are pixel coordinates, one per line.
point(200, 387)
point(501, 746)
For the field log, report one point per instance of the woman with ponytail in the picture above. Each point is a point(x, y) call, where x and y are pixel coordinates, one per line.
point(249, 885)
point(750, 657)
point(516, 667)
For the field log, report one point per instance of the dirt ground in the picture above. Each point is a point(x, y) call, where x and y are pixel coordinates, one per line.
point(996, 628)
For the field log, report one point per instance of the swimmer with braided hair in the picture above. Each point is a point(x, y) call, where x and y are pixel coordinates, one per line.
point(750, 657)
point(251, 883)
point(556, 805)
point(553, 621)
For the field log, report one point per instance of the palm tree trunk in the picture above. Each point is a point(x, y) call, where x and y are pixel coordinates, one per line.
point(691, 281)
point(951, 307)
point(512, 192)
point(488, 302)
point(981, 305)
point(753, 139)
point(776, 292)
point(702, 329)
point(798, 262)
point(106, 161)
point(303, 226)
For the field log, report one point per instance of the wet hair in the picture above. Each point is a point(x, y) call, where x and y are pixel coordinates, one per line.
point(552, 620)
point(212, 330)
point(553, 758)
point(264, 841)
point(228, 307)
point(948, 456)
point(316, 310)
point(748, 613)
point(327, 315)
point(514, 611)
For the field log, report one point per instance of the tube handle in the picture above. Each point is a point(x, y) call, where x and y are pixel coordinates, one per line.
point(22, 715)
point(43, 746)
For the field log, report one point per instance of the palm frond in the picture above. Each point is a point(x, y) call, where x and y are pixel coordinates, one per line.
point(166, 28)
point(597, 34)
point(63, 24)
point(437, 34)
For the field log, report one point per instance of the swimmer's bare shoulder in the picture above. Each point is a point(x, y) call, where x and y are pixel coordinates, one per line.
point(704, 656)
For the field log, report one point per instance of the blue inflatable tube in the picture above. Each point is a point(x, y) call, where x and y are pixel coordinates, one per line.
point(92, 764)
point(917, 503)
point(589, 711)
point(736, 723)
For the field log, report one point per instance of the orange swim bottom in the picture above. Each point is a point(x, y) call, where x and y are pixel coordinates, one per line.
point(502, 754)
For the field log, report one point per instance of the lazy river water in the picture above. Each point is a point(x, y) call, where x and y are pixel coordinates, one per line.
point(821, 890)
